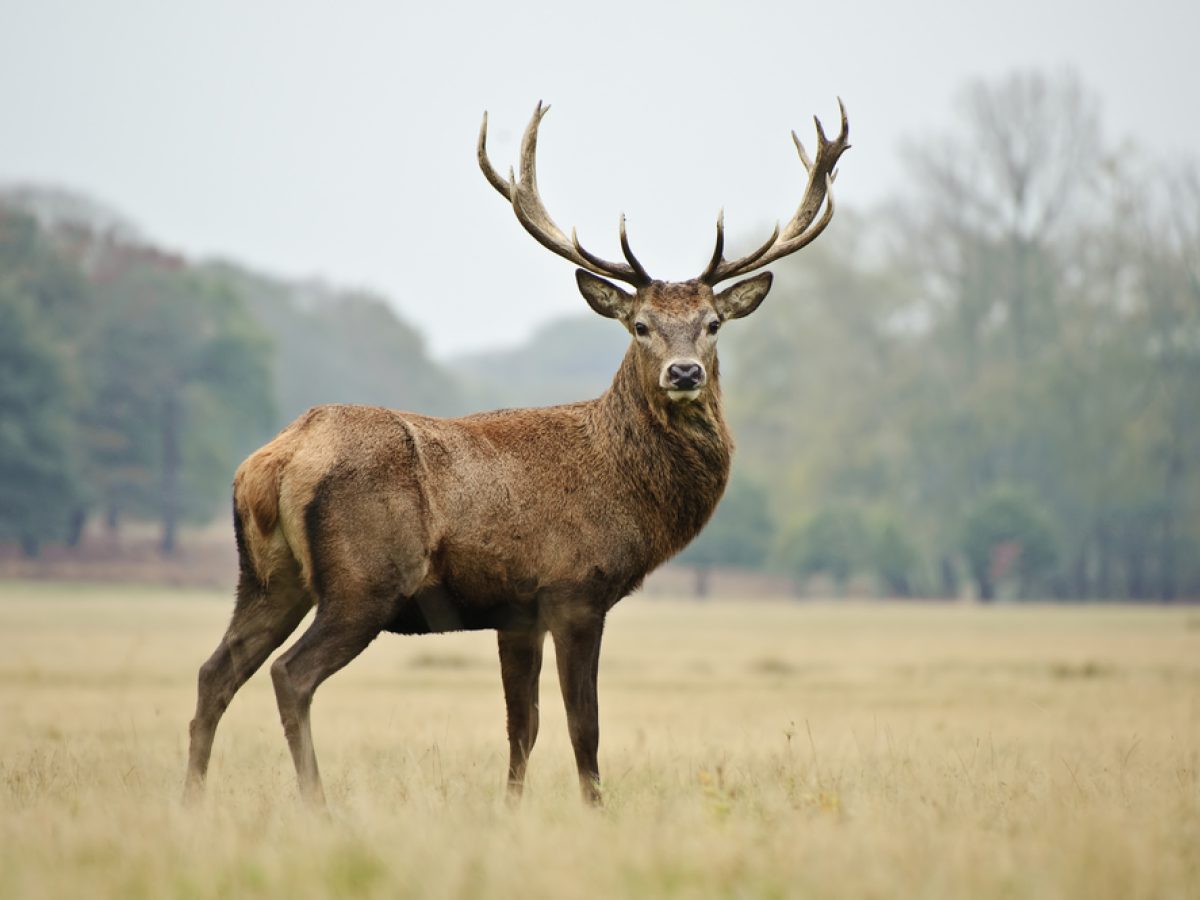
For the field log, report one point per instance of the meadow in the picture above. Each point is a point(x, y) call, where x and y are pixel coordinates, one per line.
point(750, 749)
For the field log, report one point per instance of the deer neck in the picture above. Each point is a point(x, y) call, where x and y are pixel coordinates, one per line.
point(673, 457)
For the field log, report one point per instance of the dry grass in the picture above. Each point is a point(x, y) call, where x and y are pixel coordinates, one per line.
point(749, 751)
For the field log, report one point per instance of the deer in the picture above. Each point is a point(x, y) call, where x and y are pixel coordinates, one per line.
point(523, 521)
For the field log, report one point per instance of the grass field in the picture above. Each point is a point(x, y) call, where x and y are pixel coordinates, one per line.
point(749, 750)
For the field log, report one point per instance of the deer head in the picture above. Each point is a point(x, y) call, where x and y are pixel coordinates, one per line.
point(674, 325)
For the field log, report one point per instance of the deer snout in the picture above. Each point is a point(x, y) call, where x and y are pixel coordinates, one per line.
point(683, 378)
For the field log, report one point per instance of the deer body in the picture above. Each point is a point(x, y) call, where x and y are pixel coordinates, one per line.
point(528, 521)
point(481, 518)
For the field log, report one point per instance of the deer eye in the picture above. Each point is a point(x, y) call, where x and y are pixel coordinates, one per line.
point(640, 329)
point(714, 326)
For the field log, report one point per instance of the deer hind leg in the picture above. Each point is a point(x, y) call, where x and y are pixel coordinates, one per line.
point(334, 639)
point(262, 620)
point(367, 557)
point(577, 651)
point(520, 666)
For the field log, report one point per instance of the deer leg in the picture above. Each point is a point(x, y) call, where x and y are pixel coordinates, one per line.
point(520, 666)
point(262, 620)
point(577, 650)
point(329, 644)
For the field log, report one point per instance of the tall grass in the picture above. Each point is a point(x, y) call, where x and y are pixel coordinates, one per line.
point(749, 750)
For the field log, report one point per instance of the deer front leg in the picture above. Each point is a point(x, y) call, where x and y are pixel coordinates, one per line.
point(520, 666)
point(577, 650)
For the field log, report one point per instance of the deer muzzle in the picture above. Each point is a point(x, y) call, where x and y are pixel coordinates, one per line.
point(682, 379)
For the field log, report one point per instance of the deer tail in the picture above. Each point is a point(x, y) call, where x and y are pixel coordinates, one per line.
point(256, 490)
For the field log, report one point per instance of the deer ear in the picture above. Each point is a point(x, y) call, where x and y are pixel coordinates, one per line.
point(743, 298)
point(603, 296)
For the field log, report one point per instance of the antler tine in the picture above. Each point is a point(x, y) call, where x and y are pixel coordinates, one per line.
point(485, 164)
point(628, 254)
point(718, 269)
point(804, 226)
point(799, 149)
point(719, 250)
point(533, 216)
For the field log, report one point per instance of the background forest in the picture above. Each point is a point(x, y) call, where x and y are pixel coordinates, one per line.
point(989, 386)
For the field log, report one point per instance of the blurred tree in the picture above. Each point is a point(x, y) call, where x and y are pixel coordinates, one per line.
point(739, 533)
point(57, 302)
point(167, 377)
point(994, 232)
point(1162, 334)
point(893, 556)
point(1008, 535)
point(39, 486)
point(818, 384)
point(990, 202)
point(34, 267)
point(1035, 325)
point(340, 347)
point(183, 388)
point(832, 542)
point(567, 359)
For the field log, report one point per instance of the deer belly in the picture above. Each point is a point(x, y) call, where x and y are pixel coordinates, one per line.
point(436, 610)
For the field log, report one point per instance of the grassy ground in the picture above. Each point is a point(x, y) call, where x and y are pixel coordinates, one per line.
point(749, 750)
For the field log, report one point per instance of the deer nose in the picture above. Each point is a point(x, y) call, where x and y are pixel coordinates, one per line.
point(685, 375)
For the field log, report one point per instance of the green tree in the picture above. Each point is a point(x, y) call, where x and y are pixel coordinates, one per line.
point(39, 485)
point(833, 542)
point(739, 533)
point(56, 303)
point(340, 347)
point(182, 389)
point(567, 359)
point(1162, 334)
point(1007, 535)
point(33, 266)
point(893, 556)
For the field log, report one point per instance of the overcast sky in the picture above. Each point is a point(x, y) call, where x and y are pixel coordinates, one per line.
point(338, 140)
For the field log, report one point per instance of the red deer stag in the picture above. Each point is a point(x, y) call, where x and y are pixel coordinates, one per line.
point(525, 521)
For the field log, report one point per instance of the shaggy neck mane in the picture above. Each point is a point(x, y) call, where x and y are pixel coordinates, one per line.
point(676, 455)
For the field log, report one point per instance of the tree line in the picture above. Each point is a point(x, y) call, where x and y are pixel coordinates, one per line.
point(132, 381)
point(991, 384)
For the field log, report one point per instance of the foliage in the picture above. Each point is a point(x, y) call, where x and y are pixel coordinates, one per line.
point(1007, 534)
point(894, 557)
point(335, 346)
point(141, 382)
point(1027, 317)
point(832, 542)
point(182, 388)
point(137, 381)
point(739, 533)
point(563, 361)
point(38, 481)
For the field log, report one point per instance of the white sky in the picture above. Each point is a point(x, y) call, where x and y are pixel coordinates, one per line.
point(338, 140)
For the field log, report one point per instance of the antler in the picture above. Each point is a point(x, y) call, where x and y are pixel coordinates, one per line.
point(800, 231)
point(532, 214)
